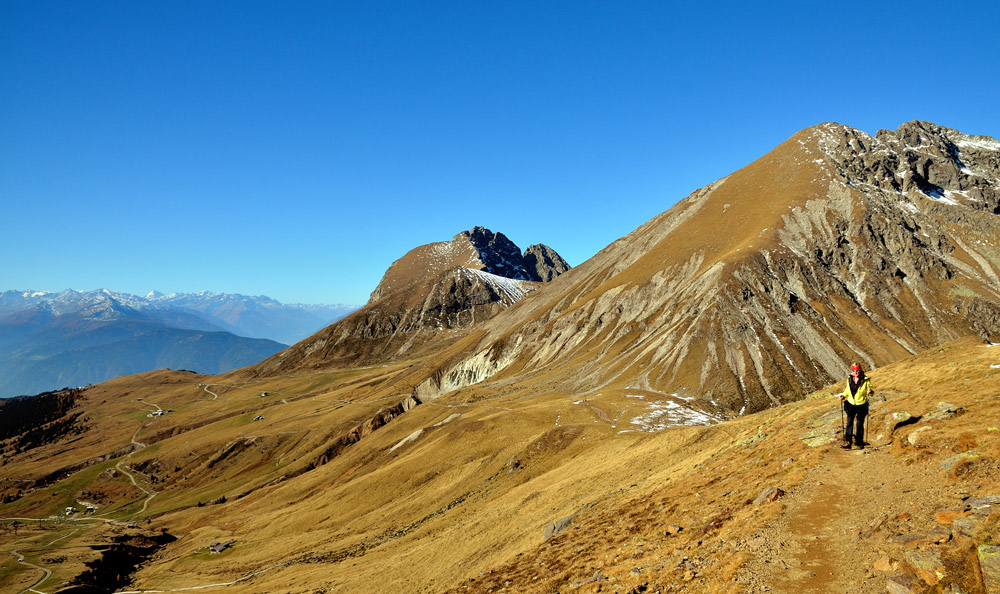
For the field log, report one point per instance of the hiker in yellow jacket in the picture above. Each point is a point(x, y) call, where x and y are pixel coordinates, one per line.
point(855, 399)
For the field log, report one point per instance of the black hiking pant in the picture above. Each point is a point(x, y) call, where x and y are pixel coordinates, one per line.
point(856, 414)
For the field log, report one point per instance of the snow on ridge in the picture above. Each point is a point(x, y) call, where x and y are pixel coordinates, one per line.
point(980, 142)
point(444, 249)
point(510, 289)
point(71, 300)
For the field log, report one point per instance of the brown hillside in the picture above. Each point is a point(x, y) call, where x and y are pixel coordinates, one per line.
point(337, 488)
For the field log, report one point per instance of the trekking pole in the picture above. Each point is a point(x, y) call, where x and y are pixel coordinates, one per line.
point(843, 430)
point(867, 420)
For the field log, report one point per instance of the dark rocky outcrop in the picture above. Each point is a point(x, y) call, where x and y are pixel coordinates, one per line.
point(501, 257)
point(543, 263)
point(498, 254)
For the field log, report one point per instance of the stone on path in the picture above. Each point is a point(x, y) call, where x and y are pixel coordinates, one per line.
point(919, 436)
point(965, 526)
point(893, 421)
point(823, 429)
point(597, 577)
point(768, 494)
point(904, 583)
point(984, 506)
point(944, 410)
point(886, 565)
point(875, 525)
point(928, 565)
point(897, 419)
point(948, 516)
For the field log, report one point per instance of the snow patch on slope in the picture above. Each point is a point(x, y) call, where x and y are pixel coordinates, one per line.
point(510, 290)
point(661, 415)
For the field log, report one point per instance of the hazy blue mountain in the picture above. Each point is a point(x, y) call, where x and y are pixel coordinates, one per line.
point(52, 340)
point(256, 317)
point(243, 315)
point(49, 368)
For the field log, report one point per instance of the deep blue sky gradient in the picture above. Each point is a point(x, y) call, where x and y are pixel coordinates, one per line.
point(296, 149)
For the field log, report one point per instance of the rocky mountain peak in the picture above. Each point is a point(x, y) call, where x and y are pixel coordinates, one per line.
point(500, 256)
point(477, 249)
point(920, 160)
point(449, 285)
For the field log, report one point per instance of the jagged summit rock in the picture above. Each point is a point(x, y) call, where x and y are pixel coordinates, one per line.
point(543, 263)
point(476, 249)
point(498, 254)
point(940, 163)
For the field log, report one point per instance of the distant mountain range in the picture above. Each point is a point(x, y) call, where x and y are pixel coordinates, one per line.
point(243, 315)
point(50, 340)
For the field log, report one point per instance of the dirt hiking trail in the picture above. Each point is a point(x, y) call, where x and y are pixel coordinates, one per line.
point(836, 521)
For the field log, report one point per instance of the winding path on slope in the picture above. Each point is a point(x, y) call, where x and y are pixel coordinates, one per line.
point(240, 580)
point(122, 467)
point(20, 559)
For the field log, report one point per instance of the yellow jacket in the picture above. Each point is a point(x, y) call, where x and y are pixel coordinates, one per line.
point(861, 396)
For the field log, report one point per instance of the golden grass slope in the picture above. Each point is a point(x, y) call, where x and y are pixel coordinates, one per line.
point(456, 493)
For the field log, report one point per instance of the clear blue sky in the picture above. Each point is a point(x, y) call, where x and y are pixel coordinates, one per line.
point(295, 149)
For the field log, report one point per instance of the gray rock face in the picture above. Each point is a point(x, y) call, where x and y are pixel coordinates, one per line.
point(559, 526)
point(767, 495)
point(543, 263)
point(940, 161)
